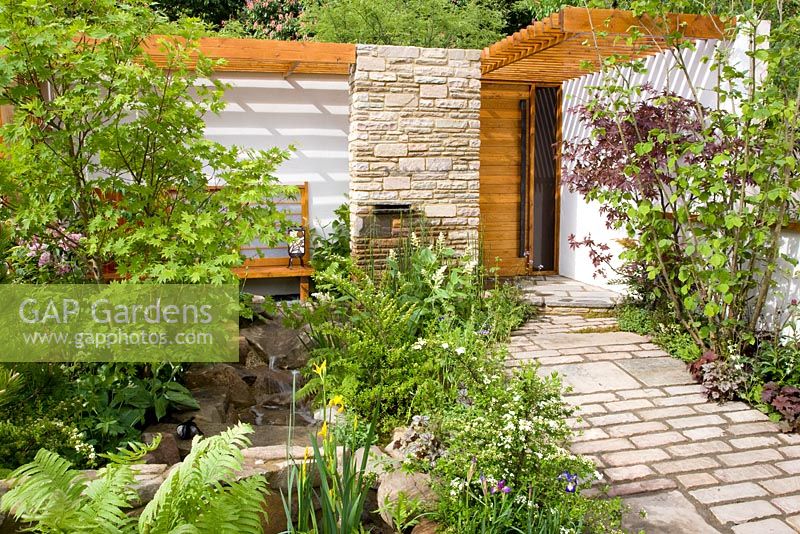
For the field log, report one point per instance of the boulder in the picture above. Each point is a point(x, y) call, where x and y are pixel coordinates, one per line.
point(378, 463)
point(167, 452)
point(146, 487)
point(413, 485)
point(276, 345)
point(274, 519)
point(224, 376)
point(425, 526)
point(213, 401)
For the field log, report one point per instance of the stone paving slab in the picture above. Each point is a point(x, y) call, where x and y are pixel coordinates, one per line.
point(692, 465)
point(560, 291)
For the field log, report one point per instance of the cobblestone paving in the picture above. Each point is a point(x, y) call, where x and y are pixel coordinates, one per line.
point(693, 466)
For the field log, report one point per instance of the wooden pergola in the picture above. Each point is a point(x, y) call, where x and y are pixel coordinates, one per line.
point(558, 48)
point(259, 55)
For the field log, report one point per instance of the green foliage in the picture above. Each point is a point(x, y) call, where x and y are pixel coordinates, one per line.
point(427, 23)
point(405, 512)
point(342, 474)
point(632, 318)
point(334, 245)
point(10, 384)
point(213, 12)
point(106, 154)
point(412, 338)
point(199, 496)
point(507, 462)
point(193, 495)
point(778, 362)
point(81, 410)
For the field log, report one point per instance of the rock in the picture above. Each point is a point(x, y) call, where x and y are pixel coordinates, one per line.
point(221, 375)
point(378, 462)
point(274, 520)
point(213, 401)
point(426, 526)
point(167, 452)
point(413, 485)
point(394, 448)
point(272, 342)
point(244, 350)
point(146, 487)
point(150, 469)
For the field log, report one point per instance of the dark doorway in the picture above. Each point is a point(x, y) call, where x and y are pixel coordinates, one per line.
point(545, 178)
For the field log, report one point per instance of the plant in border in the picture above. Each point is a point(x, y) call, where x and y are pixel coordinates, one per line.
point(200, 495)
point(343, 477)
point(705, 192)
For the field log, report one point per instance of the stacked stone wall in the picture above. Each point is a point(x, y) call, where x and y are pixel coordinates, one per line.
point(414, 143)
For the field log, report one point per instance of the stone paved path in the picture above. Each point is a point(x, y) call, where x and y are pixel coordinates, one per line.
point(559, 291)
point(693, 466)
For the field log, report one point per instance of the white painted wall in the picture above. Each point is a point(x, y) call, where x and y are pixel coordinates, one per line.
point(309, 112)
point(582, 218)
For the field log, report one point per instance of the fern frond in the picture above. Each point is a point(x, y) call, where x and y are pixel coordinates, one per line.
point(201, 483)
point(46, 491)
point(133, 452)
point(237, 508)
point(108, 496)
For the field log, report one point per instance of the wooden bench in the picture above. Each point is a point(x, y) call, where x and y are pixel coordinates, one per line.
point(273, 262)
point(270, 262)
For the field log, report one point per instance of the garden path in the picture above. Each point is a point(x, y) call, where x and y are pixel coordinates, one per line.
point(693, 466)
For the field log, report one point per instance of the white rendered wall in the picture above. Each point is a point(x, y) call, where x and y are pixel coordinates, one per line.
point(310, 112)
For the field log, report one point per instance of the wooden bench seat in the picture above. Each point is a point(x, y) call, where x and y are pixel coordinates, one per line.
point(253, 272)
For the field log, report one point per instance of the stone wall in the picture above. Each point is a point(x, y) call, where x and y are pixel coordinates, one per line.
point(414, 142)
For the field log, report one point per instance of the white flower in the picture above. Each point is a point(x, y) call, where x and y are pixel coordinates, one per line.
point(445, 345)
point(461, 350)
point(418, 344)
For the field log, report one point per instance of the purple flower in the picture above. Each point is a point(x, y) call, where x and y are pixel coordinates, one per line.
point(44, 259)
point(571, 480)
point(502, 488)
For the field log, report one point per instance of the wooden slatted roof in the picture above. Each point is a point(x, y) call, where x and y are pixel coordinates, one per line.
point(259, 55)
point(556, 49)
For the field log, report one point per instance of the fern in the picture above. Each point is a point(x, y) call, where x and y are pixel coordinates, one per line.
point(56, 498)
point(200, 496)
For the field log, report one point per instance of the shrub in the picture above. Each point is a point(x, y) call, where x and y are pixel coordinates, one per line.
point(427, 23)
point(271, 19)
point(704, 192)
point(133, 192)
point(507, 467)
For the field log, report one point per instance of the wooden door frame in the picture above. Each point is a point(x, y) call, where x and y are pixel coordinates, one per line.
point(532, 166)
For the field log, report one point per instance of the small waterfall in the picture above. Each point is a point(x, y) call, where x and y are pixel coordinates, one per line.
point(272, 360)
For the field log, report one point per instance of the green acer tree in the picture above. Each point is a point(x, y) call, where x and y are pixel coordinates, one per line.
point(105, 162)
